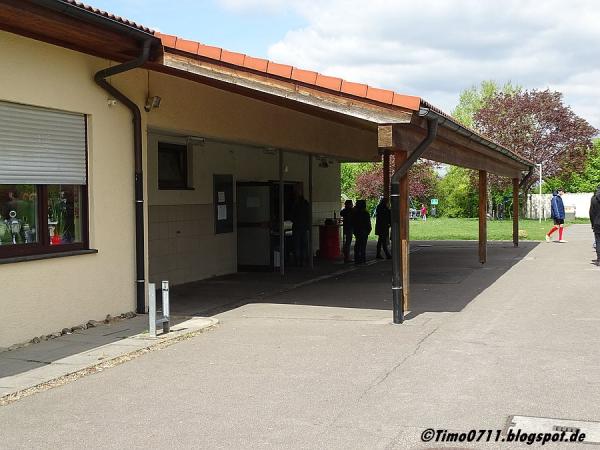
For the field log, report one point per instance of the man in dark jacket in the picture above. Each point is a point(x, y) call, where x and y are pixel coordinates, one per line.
point(300, 228)
point(346, 215)
point(558, 214)
point(595, 219)
point(361, 224)
point(383, 221)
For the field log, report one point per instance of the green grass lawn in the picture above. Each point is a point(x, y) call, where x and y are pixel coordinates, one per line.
point(468, 229)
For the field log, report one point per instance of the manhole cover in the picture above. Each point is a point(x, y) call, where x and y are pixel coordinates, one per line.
point(528, 424)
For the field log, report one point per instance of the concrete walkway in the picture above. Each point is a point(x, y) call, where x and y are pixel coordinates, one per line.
point(321, 366)
point(42, 365)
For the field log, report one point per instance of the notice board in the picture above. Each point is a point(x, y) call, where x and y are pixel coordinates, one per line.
point(223, 203)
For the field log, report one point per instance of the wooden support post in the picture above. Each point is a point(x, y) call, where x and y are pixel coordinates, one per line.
point(281, 218)
point(399, 159)
point(515, 213)
point(482, 216)
point(311, 260)
point(386, 174)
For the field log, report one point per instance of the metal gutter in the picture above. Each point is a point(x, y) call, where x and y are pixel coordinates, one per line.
point(100, 79)
point(462, 130)
point(397, 287)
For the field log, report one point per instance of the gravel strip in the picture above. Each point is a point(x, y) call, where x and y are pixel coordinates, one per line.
point(15, 396)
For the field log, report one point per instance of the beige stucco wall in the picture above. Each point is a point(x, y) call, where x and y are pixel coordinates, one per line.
point(44, 296)
point(194, 108)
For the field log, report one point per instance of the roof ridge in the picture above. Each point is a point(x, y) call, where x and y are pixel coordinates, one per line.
point(110, 15)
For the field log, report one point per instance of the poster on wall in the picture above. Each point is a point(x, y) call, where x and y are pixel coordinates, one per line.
point(223, 203)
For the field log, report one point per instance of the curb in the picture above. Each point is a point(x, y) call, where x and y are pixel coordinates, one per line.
point(106, 364)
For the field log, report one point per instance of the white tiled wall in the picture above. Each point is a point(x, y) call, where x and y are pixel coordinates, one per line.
point(183, 246)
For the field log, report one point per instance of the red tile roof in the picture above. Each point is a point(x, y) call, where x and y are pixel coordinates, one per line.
point(284, 71)
point(269, 67)
point(291, 73)
point(308, 77)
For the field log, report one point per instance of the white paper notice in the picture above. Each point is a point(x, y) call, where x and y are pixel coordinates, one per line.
point(221, 212)
point(221, 197)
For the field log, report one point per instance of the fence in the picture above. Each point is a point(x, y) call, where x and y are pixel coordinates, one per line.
point(576, 205)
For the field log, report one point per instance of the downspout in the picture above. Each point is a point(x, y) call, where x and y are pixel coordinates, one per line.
point(100, 79)
point(432, 124)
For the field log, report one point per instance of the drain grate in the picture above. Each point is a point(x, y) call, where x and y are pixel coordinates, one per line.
point(566, 429)
point(529, 424)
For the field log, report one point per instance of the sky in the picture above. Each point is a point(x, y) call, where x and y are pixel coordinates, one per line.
point(433, 50)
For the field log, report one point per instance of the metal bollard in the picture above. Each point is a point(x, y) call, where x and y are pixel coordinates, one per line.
point(165, 319)
point(165, 306)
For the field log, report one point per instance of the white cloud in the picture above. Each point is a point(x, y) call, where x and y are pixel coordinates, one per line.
point(438, 48)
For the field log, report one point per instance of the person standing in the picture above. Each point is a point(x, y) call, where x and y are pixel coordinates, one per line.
point(383, 221)
point(423, 212)
point(361, 224)
point(300, 229)
point(346, 215)
point(595, 220)
point(557, 213)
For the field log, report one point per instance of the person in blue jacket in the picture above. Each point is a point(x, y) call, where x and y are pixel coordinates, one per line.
point(558, 214)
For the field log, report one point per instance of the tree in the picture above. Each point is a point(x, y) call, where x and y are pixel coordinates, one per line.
point(470, 102)
point(458, 195)
point(422, 181)
point(474, 98)
point(349, 173)
point(537, 125)
point(587, 180)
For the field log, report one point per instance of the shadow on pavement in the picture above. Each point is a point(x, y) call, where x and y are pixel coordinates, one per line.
point(445, 277)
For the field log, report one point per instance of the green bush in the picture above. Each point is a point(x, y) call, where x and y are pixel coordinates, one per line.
point(457, 195)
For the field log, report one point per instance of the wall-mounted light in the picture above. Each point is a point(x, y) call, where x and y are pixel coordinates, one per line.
point(195, 140)
point(111, 102)
point(152, 102)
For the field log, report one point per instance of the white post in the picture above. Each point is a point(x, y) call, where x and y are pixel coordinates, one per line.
point(165, 306)
point(540, 196)
point(152, 309)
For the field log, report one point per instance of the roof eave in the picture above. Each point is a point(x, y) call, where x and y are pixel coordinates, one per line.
point(78, 11)
point(428, 110)
point(287, 90)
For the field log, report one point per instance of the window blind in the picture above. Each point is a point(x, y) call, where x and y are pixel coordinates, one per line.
point(41, 146)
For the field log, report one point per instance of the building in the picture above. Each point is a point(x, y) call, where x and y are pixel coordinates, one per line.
point(94, 206)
